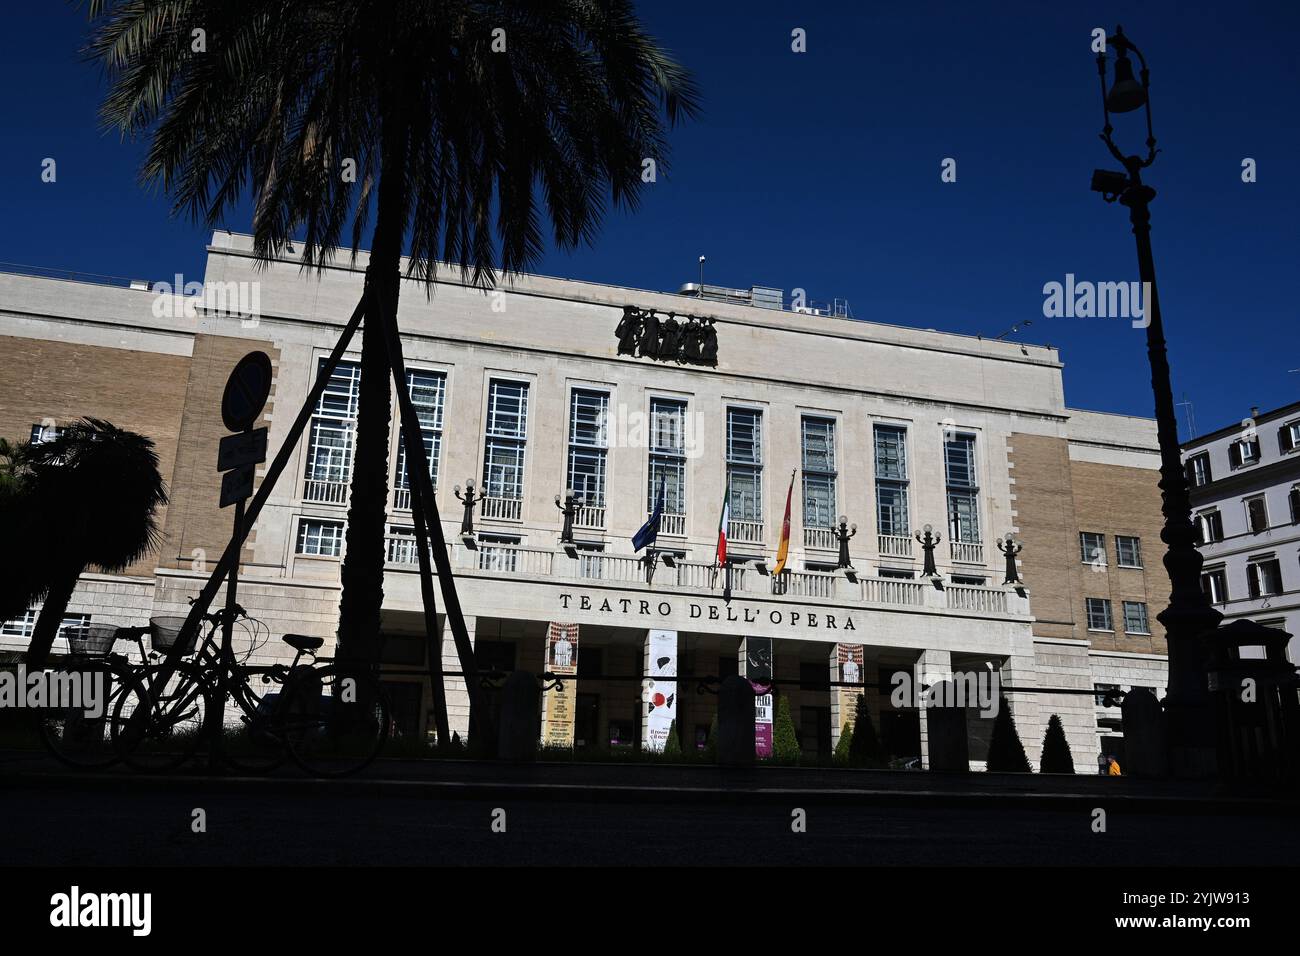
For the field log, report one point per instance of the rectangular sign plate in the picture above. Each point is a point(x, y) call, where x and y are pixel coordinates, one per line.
point(236, 485)
point(242, 448)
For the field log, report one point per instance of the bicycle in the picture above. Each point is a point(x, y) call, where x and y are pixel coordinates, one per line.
point(74, 737)
point(329, 717)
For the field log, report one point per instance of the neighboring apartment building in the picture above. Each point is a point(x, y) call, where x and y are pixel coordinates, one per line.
point(527, 392)
point(1245, 487)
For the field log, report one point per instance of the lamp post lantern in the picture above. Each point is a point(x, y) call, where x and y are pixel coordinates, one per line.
point(572, 502)
point(467, 522)
point(842, 535)
point(1189, 617)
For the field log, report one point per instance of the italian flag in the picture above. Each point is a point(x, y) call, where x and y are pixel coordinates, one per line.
point(783, 549)
point(720, 558)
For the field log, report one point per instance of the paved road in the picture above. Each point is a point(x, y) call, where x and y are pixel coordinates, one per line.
point(258, 824)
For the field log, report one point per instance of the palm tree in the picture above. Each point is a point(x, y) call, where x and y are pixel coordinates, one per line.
point(86, 498)
point(450, 117)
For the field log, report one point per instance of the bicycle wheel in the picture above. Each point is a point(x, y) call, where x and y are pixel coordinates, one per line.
point(78, 736)
point(247, 732)
point(159, 723)
point(335, 719)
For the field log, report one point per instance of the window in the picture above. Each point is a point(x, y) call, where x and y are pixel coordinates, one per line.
point(44, 433)
point(1099, 618)
point(1128, 551)
point(745, 464)
point(1092, 548)
point(1256, 514)
point(504, 444)
point(1243, 452)
point(20, 626)
point(428, 391)
point(1135, 618)
point(1209, 527)
point(498, 552)
point(320, 538)
point(1214, 582)
point(896, 574)
point(1198, 470)
point(1264, 576)
point(1294, 499)
point(668, 461)
point(818, 472)
point(1106, 695)
point(588, 445)
point(333, 435)
point(969, 581)
point(891, 480)
point(1288, 437)
point(963, 489)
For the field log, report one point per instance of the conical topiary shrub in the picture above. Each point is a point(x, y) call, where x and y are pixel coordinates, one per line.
point(673, 746)
point(711, 745)
point(1006, 752)
point(843, 746)
point(785, 742)
point(1056, 749)
point(866, 750)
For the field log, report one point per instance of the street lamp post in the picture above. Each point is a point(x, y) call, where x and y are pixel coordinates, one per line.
point(1189, 616)
point(842, 535)
point(467, 522)
point(572, 502)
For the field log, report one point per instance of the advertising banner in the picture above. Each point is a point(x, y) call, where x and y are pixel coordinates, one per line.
point(756, 659)
point(659, 696)
point(557, 704)
point(847, 667)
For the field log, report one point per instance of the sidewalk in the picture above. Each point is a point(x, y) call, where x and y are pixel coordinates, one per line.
point(666, 783)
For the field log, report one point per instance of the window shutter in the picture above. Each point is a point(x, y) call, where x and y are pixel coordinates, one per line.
point(1187, 471)
point(1284, 442)
point(1252, 578)
point(1234, 455)
point(1295, 505)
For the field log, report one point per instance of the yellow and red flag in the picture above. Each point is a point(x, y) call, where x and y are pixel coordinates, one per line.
point(783, 549)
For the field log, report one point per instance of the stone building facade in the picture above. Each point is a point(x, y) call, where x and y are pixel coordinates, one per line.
point(525, 391)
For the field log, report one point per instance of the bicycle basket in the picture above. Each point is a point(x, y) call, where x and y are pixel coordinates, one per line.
point(163, 632)
point(90, 640)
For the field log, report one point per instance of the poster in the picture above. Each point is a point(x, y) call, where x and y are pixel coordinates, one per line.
point(848, 665)
point(557, 703)
point(659, 696)
point(756, 656)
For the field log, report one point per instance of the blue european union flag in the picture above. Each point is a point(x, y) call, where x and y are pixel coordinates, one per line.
point(650, 530)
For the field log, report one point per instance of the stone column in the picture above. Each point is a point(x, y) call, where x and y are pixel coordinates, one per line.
point(561, 659)
point(457, 694)
point(1031, 710)
point(848, 665)
point(658, 696)
point(931, 667)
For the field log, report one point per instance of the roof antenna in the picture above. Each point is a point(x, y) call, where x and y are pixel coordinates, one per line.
point(1191, 416)
point(1015, 328)
point(701, 293)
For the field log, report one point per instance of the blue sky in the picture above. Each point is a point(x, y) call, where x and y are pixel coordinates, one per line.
point(821, 171)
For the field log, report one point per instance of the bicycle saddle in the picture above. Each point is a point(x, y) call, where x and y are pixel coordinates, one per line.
point(301, 642)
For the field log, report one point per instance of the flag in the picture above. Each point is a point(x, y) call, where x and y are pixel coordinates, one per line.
point(649, 532)
point(783, 548)
point(720, 556)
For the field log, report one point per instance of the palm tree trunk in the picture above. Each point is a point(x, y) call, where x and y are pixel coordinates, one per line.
point(362, 575)
point(52, 613)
